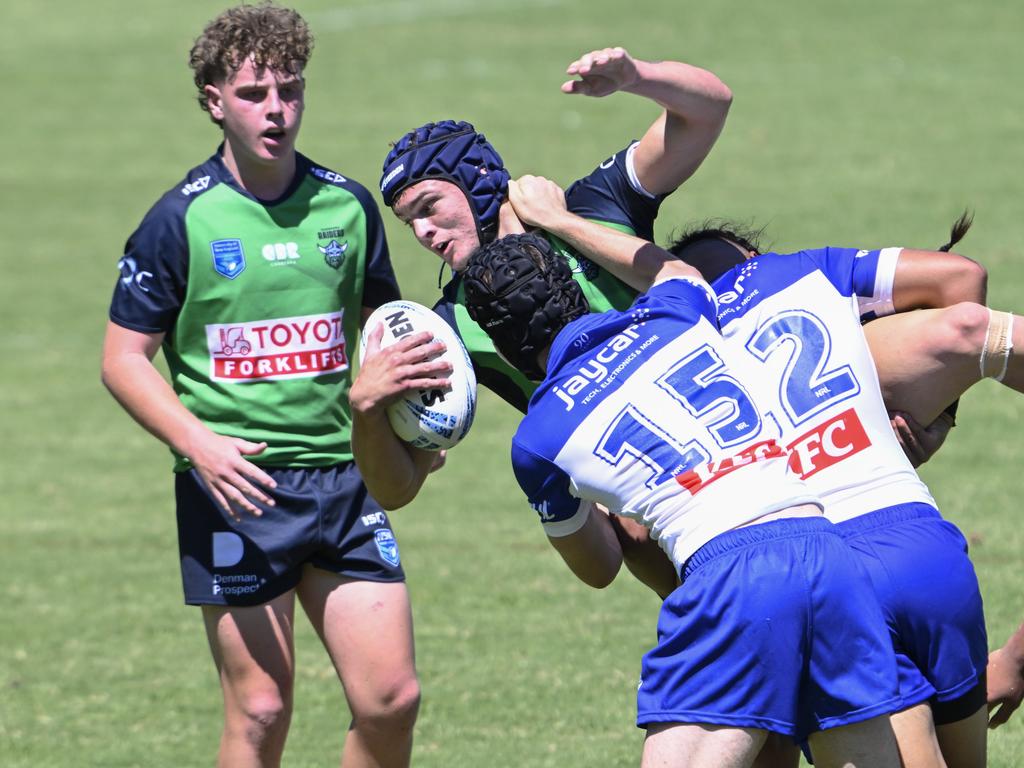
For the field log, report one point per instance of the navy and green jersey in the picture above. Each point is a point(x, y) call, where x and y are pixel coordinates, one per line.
point(610, 195)
point(260, 303)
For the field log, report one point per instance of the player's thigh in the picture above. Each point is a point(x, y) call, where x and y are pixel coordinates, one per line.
point(867, 744)
point(253, 648)
point(366, 627)
point(686, 745)
point(927, 358)
point(963, 742)
point(778, 751)
point(915, 736)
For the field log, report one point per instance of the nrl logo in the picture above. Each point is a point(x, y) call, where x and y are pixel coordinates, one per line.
point(334, 252)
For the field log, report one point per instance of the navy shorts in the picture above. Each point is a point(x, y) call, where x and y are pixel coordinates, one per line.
point(775, 626)
point(323, 516)
point(929, 593)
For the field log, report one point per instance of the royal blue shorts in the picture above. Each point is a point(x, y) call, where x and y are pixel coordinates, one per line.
point(929, 594)
point(323, 516)
point(775, 626)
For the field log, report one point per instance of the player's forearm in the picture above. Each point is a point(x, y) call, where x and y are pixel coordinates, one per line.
point(147, 397)
point(593, 552)
point(393, 470)
point(634, 261)
point(689, 92)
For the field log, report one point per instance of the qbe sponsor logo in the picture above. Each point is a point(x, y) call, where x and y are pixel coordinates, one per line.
point(827, 444)
point(281, 348)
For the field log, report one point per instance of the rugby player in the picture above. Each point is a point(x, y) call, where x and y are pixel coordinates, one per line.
point(449, 184)
point(792, 315)
point(253, 274)
point(775, 627)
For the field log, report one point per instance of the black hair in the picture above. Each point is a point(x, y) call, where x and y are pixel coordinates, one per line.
point(709, 246)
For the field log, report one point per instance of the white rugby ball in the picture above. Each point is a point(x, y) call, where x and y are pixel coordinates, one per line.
point(432, 419)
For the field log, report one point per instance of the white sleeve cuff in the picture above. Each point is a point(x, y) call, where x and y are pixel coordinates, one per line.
point(880, 303)
point(634, 182)
point(570, 525)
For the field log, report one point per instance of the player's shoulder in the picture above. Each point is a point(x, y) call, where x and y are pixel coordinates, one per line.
point(336, 180)
point(168, 213)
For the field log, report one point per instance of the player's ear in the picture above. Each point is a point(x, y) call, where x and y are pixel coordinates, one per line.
point(213, 101)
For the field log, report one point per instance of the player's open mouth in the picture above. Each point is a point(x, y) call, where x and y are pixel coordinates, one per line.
point(442, 249)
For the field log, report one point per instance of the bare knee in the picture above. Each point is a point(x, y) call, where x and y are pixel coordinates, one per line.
point(392, 710)
point(964, 327)
point(261, 715)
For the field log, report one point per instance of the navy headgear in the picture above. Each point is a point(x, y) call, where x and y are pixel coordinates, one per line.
point(522, 294)
point(455, 152)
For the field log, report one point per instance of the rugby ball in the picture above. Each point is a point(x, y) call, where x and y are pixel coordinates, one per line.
point(431, 419)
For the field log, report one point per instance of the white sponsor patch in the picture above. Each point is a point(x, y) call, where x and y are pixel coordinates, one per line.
point(282, 348)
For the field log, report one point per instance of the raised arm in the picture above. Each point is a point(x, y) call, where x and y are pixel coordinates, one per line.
point(695, 101)
point(539, 202)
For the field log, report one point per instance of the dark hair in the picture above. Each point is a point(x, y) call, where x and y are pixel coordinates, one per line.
point(274, 37)
point(959, 229)
point(522, 294)
point(709, 246)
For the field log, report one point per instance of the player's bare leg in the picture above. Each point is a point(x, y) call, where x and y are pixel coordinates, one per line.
point(926, 359)
point(254, 653)
point(778, 752)
point(367, 630)
point(868, 744)
point(679, 745)
point(915, 736)
point(964, 742)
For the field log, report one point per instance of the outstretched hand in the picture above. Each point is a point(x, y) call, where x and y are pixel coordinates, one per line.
point(1005, 683)
point(919, 443)
point(387, 374)
point(601, 73)
point(235, 483)
point(537, 201)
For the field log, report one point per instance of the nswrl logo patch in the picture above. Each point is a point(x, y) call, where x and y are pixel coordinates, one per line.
point(387, 546)
point(228, 257)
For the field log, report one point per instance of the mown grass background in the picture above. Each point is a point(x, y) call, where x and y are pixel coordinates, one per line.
point(864, 124)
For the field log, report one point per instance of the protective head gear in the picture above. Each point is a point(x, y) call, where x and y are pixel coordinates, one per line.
point(455, 152)
point(522, 294)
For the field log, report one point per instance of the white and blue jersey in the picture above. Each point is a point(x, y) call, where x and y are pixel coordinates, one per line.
point(644, 412)
point(641, 411)
point(798, 316)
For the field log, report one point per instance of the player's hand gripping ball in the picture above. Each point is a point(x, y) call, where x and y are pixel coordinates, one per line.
point(432, 419)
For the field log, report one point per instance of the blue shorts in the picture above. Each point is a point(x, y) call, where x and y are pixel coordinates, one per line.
point(323, 516)
point(929, 593)
point(776, 627)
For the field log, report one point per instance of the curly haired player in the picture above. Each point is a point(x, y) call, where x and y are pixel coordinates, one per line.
point(254, 274)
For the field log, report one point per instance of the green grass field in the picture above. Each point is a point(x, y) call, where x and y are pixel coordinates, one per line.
point(866, 124)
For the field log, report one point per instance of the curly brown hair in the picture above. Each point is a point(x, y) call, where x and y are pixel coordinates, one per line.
point(274, 37)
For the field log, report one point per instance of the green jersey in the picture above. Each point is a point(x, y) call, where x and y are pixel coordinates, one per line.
point(610, 195)
point(260, 303)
